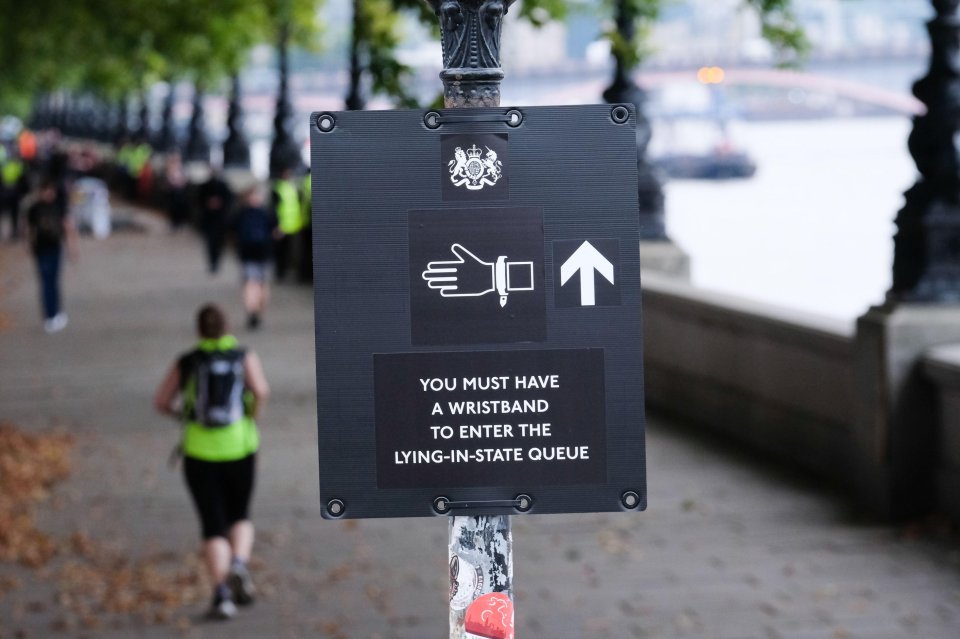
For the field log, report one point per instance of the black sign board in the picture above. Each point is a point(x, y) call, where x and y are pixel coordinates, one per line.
point(478, 324)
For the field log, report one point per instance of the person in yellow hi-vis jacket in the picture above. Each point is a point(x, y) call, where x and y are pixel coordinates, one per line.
point(305, 267)
point(286, 205)
point(14, 185)
point(217, 390)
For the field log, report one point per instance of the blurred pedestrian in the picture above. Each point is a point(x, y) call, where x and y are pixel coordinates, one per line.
point(286, 206)
point(27, 147)
point(216, 201)
point(255, 228)
point(217, 390)
point(305, 269)
point(13, 186)
point(48, 229)
point(178, 209)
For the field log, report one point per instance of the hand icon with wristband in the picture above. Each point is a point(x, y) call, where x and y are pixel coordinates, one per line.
point(470, 276)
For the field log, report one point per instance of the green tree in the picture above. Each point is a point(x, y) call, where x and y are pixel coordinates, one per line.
point(113, 47)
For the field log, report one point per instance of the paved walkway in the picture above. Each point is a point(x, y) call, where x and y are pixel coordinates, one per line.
point(730, 548)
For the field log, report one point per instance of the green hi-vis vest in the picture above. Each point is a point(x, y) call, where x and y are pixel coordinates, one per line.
point(224, 443)
point(306, 196)
point(137, 157)
point(288, 207)
point(12, 171)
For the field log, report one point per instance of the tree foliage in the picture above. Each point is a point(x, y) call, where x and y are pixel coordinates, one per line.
point(779, 26)
point(113, 47)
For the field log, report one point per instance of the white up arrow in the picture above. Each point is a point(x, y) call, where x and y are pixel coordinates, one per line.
point(585, 260)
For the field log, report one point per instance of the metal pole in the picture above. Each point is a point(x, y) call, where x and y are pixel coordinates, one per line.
point(623, 89)
point(481, 574)
point(354, 100)
point(481, 547)
point(165, 140)
point(284, 152)
point(236, 151)
point(198, 146)
point(143, 128)
point(926, 256)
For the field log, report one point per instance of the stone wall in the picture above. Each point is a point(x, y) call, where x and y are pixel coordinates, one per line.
point(792, 385)
point(942, 367)
point(776, 379)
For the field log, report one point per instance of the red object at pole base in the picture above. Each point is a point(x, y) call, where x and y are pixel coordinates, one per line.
point(490, 617)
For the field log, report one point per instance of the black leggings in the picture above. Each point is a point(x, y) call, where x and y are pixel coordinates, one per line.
point(221, 492)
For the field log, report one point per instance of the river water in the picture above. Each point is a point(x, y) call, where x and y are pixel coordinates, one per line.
point(813, 229)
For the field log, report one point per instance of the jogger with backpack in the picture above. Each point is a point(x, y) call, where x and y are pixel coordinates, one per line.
point(217, 389)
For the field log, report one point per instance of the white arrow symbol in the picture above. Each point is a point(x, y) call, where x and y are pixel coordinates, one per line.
point(585, 260)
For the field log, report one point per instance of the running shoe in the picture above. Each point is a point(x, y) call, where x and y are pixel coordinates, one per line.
point(56, 323)
point(241, 584)
point(222, 607)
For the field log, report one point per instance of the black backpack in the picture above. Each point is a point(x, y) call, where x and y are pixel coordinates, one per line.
point(218, 387)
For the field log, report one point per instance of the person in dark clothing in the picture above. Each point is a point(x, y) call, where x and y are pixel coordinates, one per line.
point(255, 229)
point(216, 200)
point(49, 229)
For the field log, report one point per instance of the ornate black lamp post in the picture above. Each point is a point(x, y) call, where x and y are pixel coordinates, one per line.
point(40, 112)
point(284, 152)
point(102, 120)
point(470, 35)
point(70, 107)
point(623, 89)
point(55, 121)
point(926, 263)
point(90, 120)
point(897, 422)
point(354, 100)
point(122, 129)
point(236, 150)
point(198, 145)
point(471, 75)
point(143, 127)
point(166, 141)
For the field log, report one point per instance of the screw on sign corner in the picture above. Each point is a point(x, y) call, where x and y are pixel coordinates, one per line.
point(336, 507)
point(326, 122)
point(619, 114)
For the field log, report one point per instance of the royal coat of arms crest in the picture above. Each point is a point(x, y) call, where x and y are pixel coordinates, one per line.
point(469, 169)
